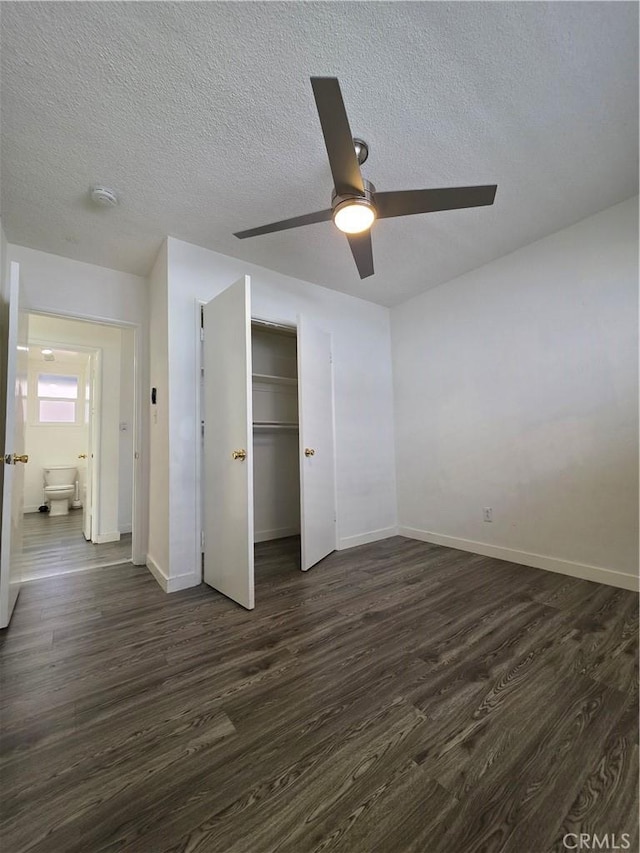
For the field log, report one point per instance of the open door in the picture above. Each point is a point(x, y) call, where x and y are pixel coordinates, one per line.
point(317, 471)
point(14, 450)
point(90, 488)
point(228, 444)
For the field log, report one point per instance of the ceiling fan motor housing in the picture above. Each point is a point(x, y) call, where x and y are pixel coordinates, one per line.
point(368, 197)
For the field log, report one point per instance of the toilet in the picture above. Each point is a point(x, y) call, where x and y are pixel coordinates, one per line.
point(59, 487)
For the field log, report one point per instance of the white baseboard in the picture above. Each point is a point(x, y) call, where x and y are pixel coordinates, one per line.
point(365, 538)
point(171, 584)
point(125, 528)
point(178, 582)
point(31, 509)
point(102, 538)
point(276, 533)
point(157, 572)
point(536, 561)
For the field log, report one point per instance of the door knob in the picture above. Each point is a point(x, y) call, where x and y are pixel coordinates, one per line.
point(82, 455)
point(239, 454)
point(13, 459)
point(309, 451)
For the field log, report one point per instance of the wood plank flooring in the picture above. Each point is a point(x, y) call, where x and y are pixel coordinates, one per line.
point(55, 545)
point(398, 698)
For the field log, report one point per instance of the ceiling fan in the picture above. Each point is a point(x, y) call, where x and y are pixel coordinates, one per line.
point(355, 203)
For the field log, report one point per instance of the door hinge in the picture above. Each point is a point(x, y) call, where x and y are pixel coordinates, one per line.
point(202, 540)
point(201, 333)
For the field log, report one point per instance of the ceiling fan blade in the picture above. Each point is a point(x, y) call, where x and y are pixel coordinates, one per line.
point(337, 136)
point(362, 252)
point(284, 224)
point(408, 202)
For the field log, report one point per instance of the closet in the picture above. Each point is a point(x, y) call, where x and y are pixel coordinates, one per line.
point(268, 445)
point(276, 472)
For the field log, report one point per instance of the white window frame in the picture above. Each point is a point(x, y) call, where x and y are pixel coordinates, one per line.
point(56, 368)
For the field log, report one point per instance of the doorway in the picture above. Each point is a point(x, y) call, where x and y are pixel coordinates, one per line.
point(268, 441)
point(276, 470)
point(78, 511)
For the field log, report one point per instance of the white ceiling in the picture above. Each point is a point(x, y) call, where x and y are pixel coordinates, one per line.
point(201, 116)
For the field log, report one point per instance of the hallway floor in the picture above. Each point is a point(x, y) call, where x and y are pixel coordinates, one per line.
point(56, 546)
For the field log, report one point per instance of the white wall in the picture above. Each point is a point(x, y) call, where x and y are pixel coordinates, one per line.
point(56, 285)
point(108, 339)
point(516, 388)
point(366, 500)
point(159, 473)
point(276, 484)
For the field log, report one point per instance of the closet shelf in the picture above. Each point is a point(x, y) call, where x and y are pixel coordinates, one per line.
point(274, 425)
point(274, 380)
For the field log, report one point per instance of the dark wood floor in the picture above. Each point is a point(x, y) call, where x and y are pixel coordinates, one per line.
point(55, 545)
point(399, 697)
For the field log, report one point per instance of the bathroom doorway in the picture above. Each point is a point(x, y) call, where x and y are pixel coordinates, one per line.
point(78, 511)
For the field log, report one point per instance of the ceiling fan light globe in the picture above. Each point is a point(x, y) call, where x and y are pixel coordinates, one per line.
point(354, 217)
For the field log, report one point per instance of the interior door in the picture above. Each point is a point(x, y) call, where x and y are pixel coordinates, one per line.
point(14, 450)
point(317, 471)
point(228, 444)
point(90, 490)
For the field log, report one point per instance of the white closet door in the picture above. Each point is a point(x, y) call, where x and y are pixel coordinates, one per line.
point(228, 444)
point(15, 360)
point(317, 473)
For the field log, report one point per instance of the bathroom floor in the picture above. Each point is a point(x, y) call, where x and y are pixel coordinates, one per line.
point(56, 546)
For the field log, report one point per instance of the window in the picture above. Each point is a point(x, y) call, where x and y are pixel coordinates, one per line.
point(57, 398)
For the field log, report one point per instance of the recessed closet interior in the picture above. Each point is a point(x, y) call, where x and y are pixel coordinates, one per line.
point(276, 465)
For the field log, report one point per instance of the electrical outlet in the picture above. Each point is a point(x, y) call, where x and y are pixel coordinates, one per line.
point(487, 513)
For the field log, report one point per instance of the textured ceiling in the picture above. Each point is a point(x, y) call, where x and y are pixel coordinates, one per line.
point(201, 116)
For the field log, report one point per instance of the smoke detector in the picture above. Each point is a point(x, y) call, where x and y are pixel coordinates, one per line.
point(103, 196)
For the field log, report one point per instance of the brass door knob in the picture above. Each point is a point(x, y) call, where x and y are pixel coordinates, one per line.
point(82, 455)
point(309, 451)
point(239, 454)
point(20, 457)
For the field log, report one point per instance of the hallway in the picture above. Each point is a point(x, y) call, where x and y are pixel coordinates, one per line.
point(56, 546)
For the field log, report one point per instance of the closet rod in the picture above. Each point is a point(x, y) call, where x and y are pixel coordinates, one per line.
point(274, 425)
